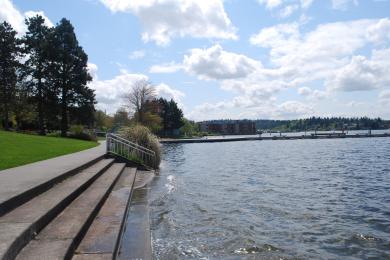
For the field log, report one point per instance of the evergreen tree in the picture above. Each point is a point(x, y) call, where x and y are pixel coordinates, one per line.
point(36, 45)
point(68, 72)
point(9, 64)
point(171, 115)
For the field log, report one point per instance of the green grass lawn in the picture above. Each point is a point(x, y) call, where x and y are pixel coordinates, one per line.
point(19, 149)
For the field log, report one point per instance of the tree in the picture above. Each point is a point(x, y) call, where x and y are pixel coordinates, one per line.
point(36, 65)
point(68, 71)
point(121, 118)
point(189, 128)
point(9, 64)
point(171, 115)
point(139, 98)
point(103, 121)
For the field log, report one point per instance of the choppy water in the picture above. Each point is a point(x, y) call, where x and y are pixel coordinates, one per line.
point(305, 199)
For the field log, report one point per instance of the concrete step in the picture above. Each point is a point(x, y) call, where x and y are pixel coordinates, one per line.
point(102, 238)
point(60, 238)
point(20, 184)
point(20, 225)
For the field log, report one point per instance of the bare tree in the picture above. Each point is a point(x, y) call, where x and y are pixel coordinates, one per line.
point(137, 100)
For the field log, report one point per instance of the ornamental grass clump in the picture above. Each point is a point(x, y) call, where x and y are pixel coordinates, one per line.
point(142, 136)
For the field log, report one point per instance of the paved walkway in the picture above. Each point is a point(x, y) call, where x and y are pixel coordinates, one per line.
point(16, 181)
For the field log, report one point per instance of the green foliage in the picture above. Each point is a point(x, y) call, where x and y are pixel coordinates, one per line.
point(10, 53)
point(103, 121)
point(189, 129)
point(49, 90)
point(142, 135)
point(79, 132)
point(19, 149)
point(121, 118)
point(171, 115)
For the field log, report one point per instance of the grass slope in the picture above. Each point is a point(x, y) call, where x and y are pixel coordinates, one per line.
point(19, 149)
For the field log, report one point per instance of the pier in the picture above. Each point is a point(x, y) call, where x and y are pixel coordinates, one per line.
point(281, 137)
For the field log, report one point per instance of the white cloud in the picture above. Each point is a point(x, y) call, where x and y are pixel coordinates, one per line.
point(294, 109)
point(267, 109)
point(167, 92)
point(299, 58)
point(343, 4)
point(306, 3)
point(380, 32)
point(288, 10)
point(163, 20)
point(215, 63)
point(110, 93)
point(305, 91)
point(212, 63)
point(385, 94)
point(363, 73)
point(136, 55)
point(169, 67)
point(9, 13)
point(270, 4)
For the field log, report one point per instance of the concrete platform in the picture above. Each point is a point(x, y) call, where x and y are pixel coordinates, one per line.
point(19, 184)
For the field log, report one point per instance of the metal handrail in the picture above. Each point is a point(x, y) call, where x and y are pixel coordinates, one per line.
point(130, 143)
point(132, 151)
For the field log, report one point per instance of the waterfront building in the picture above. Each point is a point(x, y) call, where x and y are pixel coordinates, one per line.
point(229, 127)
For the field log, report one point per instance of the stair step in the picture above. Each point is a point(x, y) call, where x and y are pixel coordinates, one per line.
point(61, 236)
point(102, 237)
point(20, 225)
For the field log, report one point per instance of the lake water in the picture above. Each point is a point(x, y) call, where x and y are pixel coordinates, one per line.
point(305, 199)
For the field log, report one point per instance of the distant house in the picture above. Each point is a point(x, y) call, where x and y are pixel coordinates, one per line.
point(229, 127)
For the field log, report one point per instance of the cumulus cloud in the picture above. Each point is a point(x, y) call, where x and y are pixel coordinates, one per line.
point(270, 4)
point(215, 63)
point(314, 55)
point(288, 10)
point(343, 4)
point(267, 109)
point(9, 13)
point(362, 74)
point(384, 97)
point(167, 92)
point(212, 63)
point(138, 54)
point(163, 20)
point(380, 32)
point(110, 93)
point(312, 94)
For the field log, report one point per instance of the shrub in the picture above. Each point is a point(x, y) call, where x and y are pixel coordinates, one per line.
point(141, 135)
point(79, 132)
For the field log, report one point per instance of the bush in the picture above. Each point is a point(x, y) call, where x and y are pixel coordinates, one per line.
point(79, 132)
point(143, 136)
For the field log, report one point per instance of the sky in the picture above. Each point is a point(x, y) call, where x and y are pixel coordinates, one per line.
point(232, 59)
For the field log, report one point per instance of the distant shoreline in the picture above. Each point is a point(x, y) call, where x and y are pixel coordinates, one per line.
point(260, 138)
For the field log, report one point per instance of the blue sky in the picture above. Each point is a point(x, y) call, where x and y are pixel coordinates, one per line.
point(235, 58)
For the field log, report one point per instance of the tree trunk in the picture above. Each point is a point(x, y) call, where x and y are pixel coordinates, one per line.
point(64, 113)
point(40, 109)
point(6, 116)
